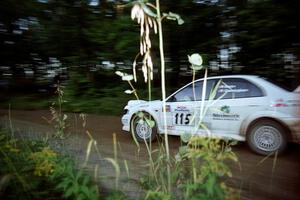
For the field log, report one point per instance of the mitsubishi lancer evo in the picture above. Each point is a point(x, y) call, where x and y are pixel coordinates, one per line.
point(237, 107)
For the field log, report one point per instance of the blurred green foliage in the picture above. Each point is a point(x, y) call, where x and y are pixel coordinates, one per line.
point(30, 169)
point(99, 93)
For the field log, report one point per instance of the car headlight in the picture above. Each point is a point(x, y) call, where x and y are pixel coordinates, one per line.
point(125, 111)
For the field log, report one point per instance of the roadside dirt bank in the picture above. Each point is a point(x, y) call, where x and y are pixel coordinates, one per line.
point(257, 177)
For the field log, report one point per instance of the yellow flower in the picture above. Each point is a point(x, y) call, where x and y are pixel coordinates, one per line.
point(44, 162)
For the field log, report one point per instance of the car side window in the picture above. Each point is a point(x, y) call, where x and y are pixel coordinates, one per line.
point(192, 92)
point(234, 88)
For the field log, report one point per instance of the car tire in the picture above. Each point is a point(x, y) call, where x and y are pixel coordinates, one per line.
point(267, 137)
point(141, 130)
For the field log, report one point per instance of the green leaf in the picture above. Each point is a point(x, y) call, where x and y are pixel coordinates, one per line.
point(213, 92)
point(233, 142)
point(174, 16)
point(150, 122)
point(94, 193)
point(85, 181)
point(78, 175)
point(85, 190)
point(2, 137)
point(80, 197)
point(76, 188)
point(68, 193)
point(140, 114)
point(185, 137)
point(210, 184)
point(64, 184)
point(147, 10)
point(183, 150)
point(180, 21)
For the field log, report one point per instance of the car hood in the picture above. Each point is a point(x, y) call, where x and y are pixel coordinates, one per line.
point(143, 104)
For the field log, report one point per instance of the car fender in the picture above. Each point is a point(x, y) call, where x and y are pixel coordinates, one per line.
point(261, 114)
point(153, 112)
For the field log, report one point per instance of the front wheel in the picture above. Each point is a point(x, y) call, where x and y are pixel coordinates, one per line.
point(144, 127)
point(266, 137)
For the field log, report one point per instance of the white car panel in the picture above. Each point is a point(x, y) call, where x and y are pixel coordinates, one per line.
point(241, 101)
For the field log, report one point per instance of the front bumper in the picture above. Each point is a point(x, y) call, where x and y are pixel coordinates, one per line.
point(125, 123)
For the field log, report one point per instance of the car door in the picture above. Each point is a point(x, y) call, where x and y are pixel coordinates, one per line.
point(183, 108)
point(236, 99)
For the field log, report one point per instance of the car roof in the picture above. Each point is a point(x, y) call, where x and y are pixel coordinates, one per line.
point(259, 81)
point(231, 76)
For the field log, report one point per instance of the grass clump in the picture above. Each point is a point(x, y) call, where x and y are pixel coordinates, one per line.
point(32, 170)
point(208, 170)
point(199, 170)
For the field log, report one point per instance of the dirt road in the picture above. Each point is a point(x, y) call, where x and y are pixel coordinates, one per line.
point(257, 177)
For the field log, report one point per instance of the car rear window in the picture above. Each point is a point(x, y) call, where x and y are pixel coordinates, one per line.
point(234, 88)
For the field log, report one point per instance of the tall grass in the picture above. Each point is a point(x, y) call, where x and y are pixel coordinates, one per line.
point(166, 172)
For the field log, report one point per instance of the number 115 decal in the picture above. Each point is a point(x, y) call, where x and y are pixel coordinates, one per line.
point(182, 118)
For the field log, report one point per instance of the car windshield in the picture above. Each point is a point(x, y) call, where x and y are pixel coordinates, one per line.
point(192, 92)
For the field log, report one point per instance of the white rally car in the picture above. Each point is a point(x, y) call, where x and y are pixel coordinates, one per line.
point(239, 107)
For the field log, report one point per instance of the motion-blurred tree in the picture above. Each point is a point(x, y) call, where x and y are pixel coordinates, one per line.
point(266, 29)
point(16, 17)
point(81, 33)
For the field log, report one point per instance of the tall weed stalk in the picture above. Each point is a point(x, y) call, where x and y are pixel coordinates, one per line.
point(147, 18)
point(209, 154)
point(59, 119)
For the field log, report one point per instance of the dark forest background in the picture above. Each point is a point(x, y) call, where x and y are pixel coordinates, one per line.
point(81, 43)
